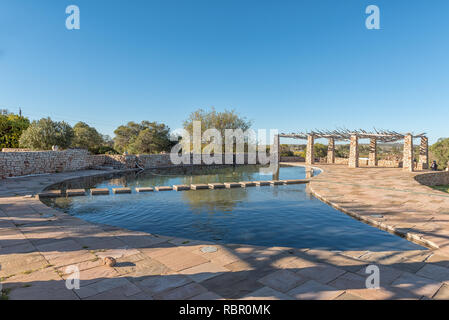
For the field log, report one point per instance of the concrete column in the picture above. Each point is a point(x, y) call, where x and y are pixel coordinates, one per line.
point(372, 162)
point(310, 158)
point(407, 161)
point(354, 152)
point(424, 154)
point(331, 151)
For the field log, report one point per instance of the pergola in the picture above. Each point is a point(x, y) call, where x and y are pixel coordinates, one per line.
point(353, 136)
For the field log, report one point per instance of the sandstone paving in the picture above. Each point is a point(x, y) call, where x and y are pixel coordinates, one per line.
point(182, 293)
point(38, 243)
point(267, 293)
point(313, 290)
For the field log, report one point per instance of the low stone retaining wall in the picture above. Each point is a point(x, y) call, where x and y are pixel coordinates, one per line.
point(365, 163)
point(344, 161)
point(431, 179)
point(21, 163)
point(292, 159)
point(14, 163)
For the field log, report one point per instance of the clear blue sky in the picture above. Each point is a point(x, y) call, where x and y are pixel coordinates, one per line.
point(290, 65)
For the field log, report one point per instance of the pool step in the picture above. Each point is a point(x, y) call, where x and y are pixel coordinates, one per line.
point(230, 185)
point(216, 186)
point(163, 188)
point(75, 192)
point(144, 190)
point(50, 194)
point(245, 184)
point(181, 187)
point(276, 182)
point(199, 186)
point(121, 190)
point(297, 181)
point(99, 192)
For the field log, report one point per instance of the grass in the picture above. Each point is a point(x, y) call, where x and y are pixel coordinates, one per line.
point(444, 188)
point(4, 294)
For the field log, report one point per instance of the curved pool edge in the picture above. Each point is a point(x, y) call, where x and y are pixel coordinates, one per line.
point(398, 231)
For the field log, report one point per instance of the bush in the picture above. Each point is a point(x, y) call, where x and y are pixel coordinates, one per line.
point(45, 133)
point(103, 150)
point(440, 152)
point(86, 137)
point(11, 128)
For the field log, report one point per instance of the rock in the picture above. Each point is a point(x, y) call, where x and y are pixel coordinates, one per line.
point(109, 261)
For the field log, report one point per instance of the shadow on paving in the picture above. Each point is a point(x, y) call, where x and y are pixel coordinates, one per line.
point(152, 272)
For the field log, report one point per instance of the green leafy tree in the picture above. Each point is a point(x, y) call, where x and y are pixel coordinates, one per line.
point(285, 151)
point(320, 150)
point(86, 137)
point(143, 138)
point(440, 152)
point(220, 121)
point(217, 120)
point(11, 128)
point(45, 133)
point(342, 151)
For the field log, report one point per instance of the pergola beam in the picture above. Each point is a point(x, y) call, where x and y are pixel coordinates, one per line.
point(344, 134)
point(353, 136)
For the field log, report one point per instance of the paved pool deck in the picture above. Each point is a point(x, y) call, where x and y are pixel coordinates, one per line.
point(38, 243)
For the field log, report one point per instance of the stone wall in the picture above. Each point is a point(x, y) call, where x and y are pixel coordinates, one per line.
point(438, 178)
point(16, 150)
point(364, 162)
point(344, 161)
point(292, 159)
point(389, 163)
point(14, 163)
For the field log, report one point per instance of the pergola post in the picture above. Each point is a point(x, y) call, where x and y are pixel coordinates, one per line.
point(372, 160)
point(407, 161)
point(424, 154)
point(354, 152)
point(310, 158)
point(277, 148)
point(331, 151)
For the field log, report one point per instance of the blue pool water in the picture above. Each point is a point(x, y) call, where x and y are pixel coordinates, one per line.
point(269, 216)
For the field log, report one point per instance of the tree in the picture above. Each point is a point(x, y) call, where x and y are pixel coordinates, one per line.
point(11, 128)
point(342, 151)
point(440, 152)
point(320, 150)
point(45, 133)
point(284, 150)
point(146, 137)
point(86, 137)
point(216, 120)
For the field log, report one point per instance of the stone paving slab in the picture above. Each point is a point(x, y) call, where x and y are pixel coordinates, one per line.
point(38, 243)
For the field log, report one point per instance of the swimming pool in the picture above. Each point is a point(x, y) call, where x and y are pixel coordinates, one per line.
point(286, 215)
